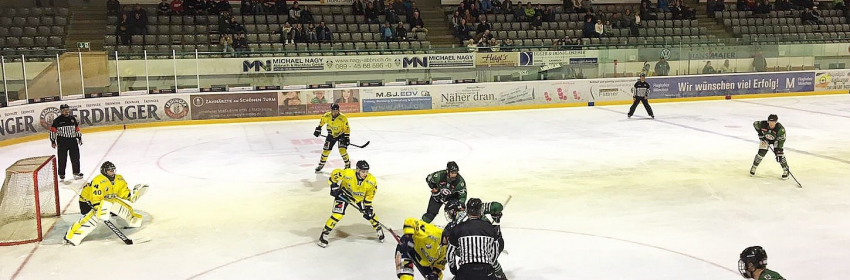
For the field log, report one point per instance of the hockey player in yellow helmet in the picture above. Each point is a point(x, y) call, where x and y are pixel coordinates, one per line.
point(338, 131)
point(352, 186)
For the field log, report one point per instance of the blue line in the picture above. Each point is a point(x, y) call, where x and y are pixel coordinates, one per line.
point(737, 137)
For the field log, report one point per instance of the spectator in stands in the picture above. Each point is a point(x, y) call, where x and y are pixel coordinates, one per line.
point(471, 46)
point(299, 35)
point(139, 24)
point(202, 7)
point(725, 68)
point(751, 5)
point(473, 11)
point(357, 8)
point(398, 7)
point(413, 9)
point(537, 22)
point(461, 8)
point(483, 37)
point(529, 12)
point(141, 12)
point(163, 9)
point(286, 35)
point(608, 27)
point(269, 7)
point(663, 5)
point(468, 16)
point(190, 6)
point(483, 25)
point(587, 5)
point(113, 7)
point(782, 5)
point(223, 6)
point(371, 13)
point(763, 8)
point(709, 7)
point(549, 15)
point(236, 27)
point(662, 68)
point(280, 7)
point(224, 22)
point(568, 6)
point(226, 42)
point(486, 6)
point(391, 16)
point(807, 17)
point(589, 15)
point(246, 7)
point(241, 43)
point(124, 30)
point(519, 12)
point(416, 23)
point(507, 44)
point(324, 32)
point(816, 15)
point(589, 29)
point(759, 63)
point(294, 13)
point(708, 69)
point(808, 4)
point(176, 7)
point(647, 12)
point(507, 7)
point(387, 32)
point(310, 33)
point(598, 29)
point(578, 8)
point(400, 32)
point(456, 19)
point(634, 24)
point(462, 31)
point(257, 6)
point(741, 5)
point(838, 5)
point(306, 15)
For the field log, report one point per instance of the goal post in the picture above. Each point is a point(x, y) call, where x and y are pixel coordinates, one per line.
point(29, 193)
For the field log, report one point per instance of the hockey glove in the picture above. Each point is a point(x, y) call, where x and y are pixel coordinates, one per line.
point(335, 191)
point(434, 276)
point(344, 140)
point(318, 131)
point(497, 217)
point(780, 154)
point(368, 213)
point(453, 269)
point(406, 242)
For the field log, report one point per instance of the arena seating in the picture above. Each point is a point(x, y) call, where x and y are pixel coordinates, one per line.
point(784, 26)
point(32, 31)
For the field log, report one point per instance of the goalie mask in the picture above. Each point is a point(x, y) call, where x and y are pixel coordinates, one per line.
point(754, 255)
point(106, 167)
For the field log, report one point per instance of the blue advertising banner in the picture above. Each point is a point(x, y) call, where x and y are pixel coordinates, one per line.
point(396, 104)
point(736, 84)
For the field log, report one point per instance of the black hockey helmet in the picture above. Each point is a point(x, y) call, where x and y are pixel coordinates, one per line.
point(362, 164)
point(473, 207)
point(106, 166)
point(334, 106)
point(64, 106)
point(452, 166)
point(452, 208)
point(642, 75)
point(772, 117)
point(754, 255)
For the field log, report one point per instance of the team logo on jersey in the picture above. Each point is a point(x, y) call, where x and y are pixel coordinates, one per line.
point(176, 108)
point(47, 116)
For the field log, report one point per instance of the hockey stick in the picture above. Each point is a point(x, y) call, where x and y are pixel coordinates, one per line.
point(350, 202)
point(359, 146)
point(121, 235)
point(789, 170)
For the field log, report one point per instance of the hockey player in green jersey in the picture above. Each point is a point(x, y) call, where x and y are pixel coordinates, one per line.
point(752, 264)
point(770, 132)
point(445, 185)
point(456, 214)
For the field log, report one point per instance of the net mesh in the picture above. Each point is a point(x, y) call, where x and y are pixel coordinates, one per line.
point(28, 194)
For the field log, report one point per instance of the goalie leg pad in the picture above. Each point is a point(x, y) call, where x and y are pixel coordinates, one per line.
point(81, 228)
point(123, 209)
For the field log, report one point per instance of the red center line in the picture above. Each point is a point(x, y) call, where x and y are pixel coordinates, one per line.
point(29, 256)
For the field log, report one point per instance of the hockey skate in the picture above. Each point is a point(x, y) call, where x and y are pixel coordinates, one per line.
point(785, 174)
point(323, 239)
point(319, 168)
point(753, 171)
point(380, 235)
point(78, 176)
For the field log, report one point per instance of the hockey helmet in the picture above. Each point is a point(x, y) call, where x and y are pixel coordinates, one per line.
point(106, 166)
point(754, 255)
point(64, 106)
point(772, 117)
point(362, 165)
point(452, 208)
point(335, 106)
point(473, 207)
point(452, 167)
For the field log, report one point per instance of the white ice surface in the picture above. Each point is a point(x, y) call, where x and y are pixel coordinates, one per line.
point(595, 195)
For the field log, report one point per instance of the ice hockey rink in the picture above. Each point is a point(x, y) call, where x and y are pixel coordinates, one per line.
point(595, 195)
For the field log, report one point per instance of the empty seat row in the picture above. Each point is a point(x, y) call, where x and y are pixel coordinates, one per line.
point(33, 21)
point(32, 31)
point(24, 12)
point(15, 42)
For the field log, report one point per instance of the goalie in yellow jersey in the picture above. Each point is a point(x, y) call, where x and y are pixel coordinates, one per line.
point(338, 131)
point(350, 186)
point(420, 246)
point(106, 195)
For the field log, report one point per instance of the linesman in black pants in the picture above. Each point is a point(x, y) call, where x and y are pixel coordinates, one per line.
point(473, 245)
point(65, 133)
point(641, 94)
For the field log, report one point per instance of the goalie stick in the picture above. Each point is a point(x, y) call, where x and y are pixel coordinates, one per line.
point(789, 170)
point(123, 237)
point(352, 144)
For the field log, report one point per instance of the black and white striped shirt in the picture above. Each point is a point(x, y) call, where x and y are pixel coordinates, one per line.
point(473, 241)
point(641, 89)
point(65, 127)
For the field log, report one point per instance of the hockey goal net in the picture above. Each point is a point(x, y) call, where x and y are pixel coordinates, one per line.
point(29, 193)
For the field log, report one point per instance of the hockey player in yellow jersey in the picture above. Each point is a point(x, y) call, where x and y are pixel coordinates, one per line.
point(420, 246)
point(338, 131)
point(350, 186)
point(107, 194)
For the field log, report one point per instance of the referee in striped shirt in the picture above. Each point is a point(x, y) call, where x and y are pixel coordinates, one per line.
point(473, 246)
point(641, 94)
point(65, 134)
